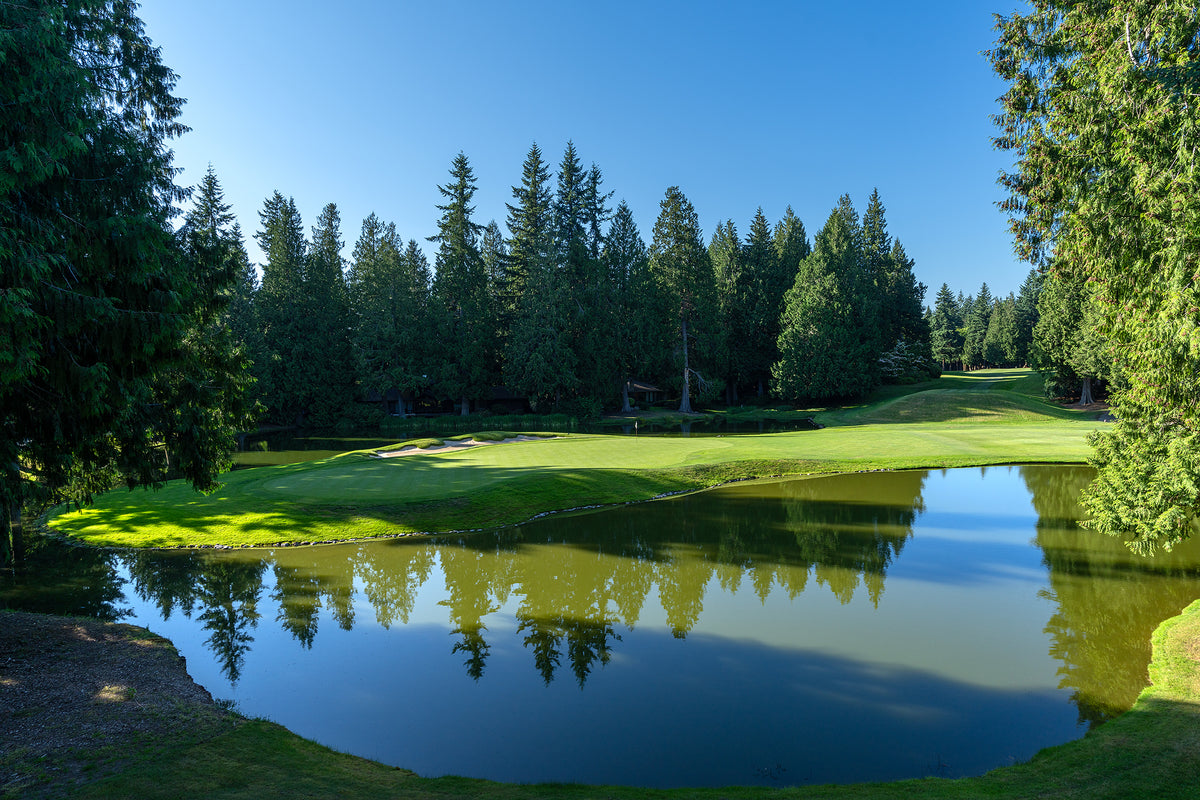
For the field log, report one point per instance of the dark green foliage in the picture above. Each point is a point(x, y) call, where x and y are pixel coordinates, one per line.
point(281, 294)
point(1025, 315)
point(595, 321)
point(305, 317)
point(390, 320)
point(105, 371)
point(641, 316)
point(829, 343)
point(902, 325)
point(734, 354)
point(329, 367)
point(681, 269)
point(791, 247)
point(465, 367)
point(1000, 341)
point(495, 262)
point(977, 313)
point(1068, 348)
point(946, 340)
point(225, 340)
point(768, 280)
point(1100, 117)
point(540, 362)
point(529, 226)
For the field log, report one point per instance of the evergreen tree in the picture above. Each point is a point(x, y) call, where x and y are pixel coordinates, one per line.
point(1000, 341)
point(905, 299)
point(595, 338)
point(945, 338)
point(901, 296)
point(529, 226)
point(828, 347)
point(494, 252)
point(734, 351)
point(578, 210)
point(976, 316)
point(326, 358)
point(767, 285)
point(1025, 315)
point(281, 295)
point(791, 247)
point(465, 365)
point(212, 243)
point(877, 251)
point(534, 327)
point(596, 212)
point(1098, 115)
point(389, 298)
point(639, 310)
point(540, 362)
point(102, 364)
point(1067, 347)
point(681, 270)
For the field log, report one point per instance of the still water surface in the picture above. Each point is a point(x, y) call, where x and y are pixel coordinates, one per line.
point(845, 628)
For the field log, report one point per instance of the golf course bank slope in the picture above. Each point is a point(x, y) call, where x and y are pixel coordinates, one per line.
point(360, 495)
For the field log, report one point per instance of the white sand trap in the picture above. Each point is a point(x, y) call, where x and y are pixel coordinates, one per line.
point(453, 445)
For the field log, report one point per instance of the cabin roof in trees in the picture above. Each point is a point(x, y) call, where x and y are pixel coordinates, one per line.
point(636, 386)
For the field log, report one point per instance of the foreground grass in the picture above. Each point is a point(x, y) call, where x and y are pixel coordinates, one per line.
point(988, 417)
point(1151, 751)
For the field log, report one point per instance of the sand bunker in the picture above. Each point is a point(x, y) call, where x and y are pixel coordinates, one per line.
point(452, 445)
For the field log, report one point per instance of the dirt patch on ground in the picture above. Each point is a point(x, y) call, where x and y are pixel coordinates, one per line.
point(80, 698)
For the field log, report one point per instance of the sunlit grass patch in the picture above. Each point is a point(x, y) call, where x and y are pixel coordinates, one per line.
point(362, 495)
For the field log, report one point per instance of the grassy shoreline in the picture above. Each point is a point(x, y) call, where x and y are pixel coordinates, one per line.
point(986, 418)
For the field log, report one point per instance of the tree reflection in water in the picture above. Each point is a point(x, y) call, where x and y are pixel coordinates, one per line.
point(1108, 600)
point(573, 583)
point(577, 578)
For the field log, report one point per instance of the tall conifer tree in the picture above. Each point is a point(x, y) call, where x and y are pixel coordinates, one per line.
point(828, 346)
point(281, 238)
point(466, 366)
point(767, 285)
point(680, 265)
point(733, 294)
point(945, 324)
point(640, 312)
point(327, 361)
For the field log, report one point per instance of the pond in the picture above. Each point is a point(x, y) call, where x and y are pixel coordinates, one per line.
point(836, 629)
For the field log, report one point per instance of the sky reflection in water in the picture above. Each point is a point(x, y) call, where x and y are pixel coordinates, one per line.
point(847, 628)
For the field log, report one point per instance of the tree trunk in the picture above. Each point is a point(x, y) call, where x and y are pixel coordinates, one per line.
point(625, 407)
point(10, 535)
point(1085, 394)
point(466, 406)
point(685, 403)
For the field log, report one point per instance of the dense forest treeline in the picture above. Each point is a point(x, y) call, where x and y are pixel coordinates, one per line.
point(567, 307)
point(570, 308)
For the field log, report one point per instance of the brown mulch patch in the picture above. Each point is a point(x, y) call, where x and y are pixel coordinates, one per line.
point(80, 698)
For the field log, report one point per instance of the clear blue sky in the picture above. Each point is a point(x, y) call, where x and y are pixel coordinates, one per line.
point(739, 104)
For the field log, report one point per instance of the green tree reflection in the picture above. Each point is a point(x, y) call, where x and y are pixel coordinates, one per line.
point(1108, 601)
point(53, 578)
point(576, 580)
point(225, 591)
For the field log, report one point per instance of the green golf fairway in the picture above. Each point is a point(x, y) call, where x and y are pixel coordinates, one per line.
point(984, 418)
